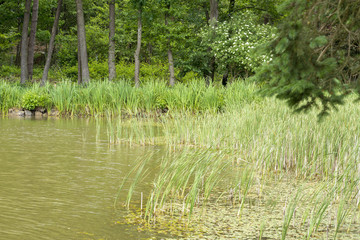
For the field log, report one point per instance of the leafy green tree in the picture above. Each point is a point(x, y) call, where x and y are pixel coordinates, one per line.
point(315, 58)
point(235, 42)
point(11, 18)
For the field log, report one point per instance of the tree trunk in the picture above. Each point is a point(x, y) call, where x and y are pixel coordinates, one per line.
point(18, 46)
point(112, 67)
point(85, 75)
point(171, 67)
point(34, 20)
point(214, 14)
point(24, 43)
point(79, 65)
point(226, 74)
point(18, 55)
point(170, 55)
point(79, 59)
point(137, 52)
point(214, 11)
point(51, 44)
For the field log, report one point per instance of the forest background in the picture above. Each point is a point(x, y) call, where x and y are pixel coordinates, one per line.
point(180, 27)
point(301, 50)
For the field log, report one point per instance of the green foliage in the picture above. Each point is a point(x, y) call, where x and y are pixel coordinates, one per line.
point(32, 99)
point(234, 43)
point(121, 96)
point(9, 72)
point(10, 95)
point(43, 36)
point(98, 70)
point(7, 40)
point(313, 63)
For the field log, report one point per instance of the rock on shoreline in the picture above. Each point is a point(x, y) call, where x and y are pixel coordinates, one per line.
point(37, 113)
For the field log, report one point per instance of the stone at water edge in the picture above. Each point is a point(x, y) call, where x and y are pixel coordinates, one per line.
point(38, 114)
point(28, 113)
point(40, 109)
point(54, 113)
point(16, 112)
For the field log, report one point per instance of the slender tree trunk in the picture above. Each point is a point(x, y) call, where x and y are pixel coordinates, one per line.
point(85, 75)
point(18, 46)
point(214, 11)
point(112, 67)
point(206, 10)
point(138, 48)
point(34, 21)
point(79, 58)
point(170, 55)
point(79, 65)
point(24, 43)
point(226, 74)
point(171, 67)
point(214, 14)
point(18, 54)
point(51, 44)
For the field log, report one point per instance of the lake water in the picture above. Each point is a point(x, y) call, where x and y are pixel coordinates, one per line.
point(58, 180)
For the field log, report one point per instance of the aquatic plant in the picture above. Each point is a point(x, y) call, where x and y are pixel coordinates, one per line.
point(260, 140)
point(100, 97)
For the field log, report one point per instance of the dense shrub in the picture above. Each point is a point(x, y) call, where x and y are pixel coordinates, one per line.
point(234, 43)
point(32, 99)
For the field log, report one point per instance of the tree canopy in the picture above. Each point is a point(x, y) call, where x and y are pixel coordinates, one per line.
point(303, 51)
point(316, 55)
point(184, 32)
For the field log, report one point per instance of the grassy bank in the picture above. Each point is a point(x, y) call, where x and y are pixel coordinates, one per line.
point(265, 133)
point(100, 98)
point(239, 157)
point(229, 150)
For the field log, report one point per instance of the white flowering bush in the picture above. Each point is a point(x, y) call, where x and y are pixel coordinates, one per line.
point(235, 43)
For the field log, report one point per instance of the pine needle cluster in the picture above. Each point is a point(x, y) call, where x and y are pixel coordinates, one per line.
point(316, 56)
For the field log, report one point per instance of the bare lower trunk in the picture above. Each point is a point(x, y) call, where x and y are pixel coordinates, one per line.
point(51, 44)
point(137, 52)
point(79, 65)
point(171, 68)
point(18, 55)
point(112, 67)
point(225, 77)
point(17, 58)
point(85, 75)
point(170, 55)
point(34, 21)
point(226, 74)
point(24, 43)
point(214, 14)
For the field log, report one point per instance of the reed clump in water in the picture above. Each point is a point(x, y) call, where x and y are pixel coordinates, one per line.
point(263, 133)
point(203, 187)
point(266, 142)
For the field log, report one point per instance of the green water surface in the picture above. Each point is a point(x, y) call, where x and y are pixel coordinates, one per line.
point(58, 180)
